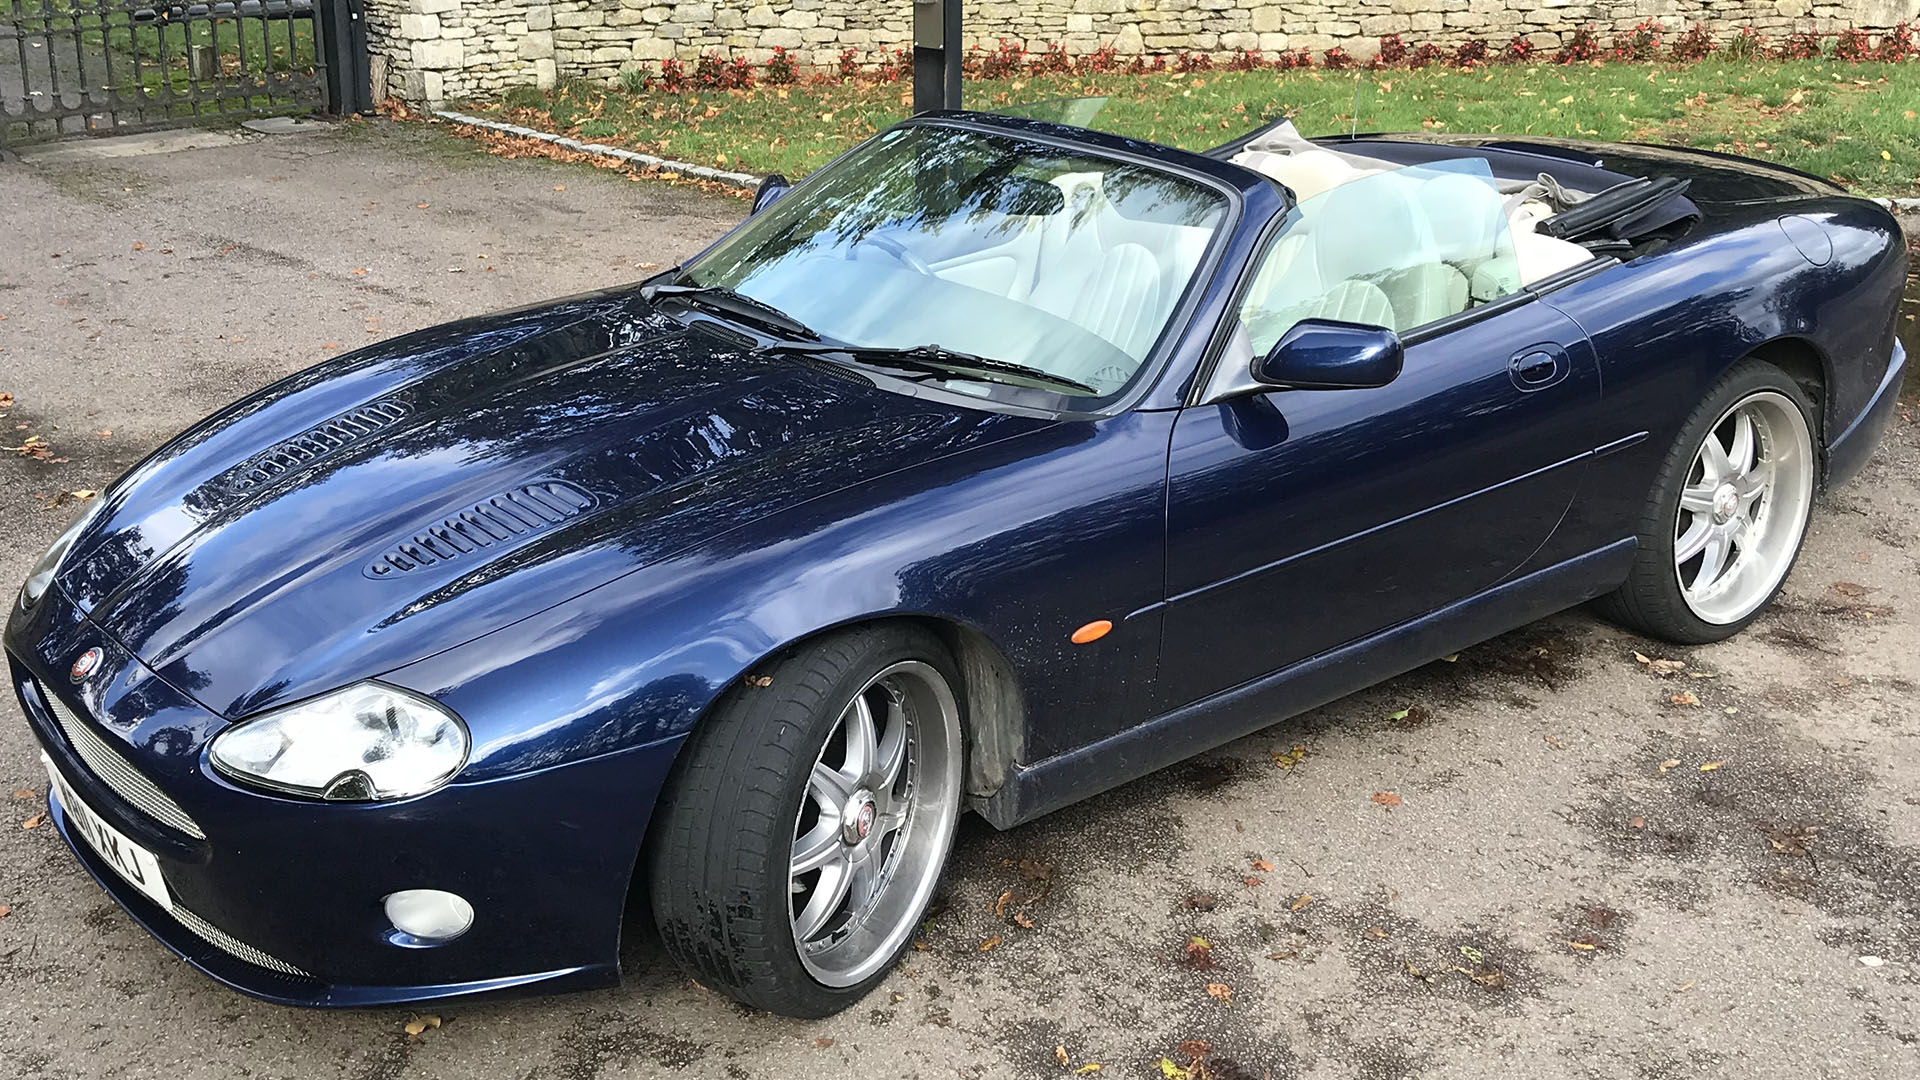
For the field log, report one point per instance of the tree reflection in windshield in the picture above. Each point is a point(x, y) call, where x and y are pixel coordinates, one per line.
point(984, 243)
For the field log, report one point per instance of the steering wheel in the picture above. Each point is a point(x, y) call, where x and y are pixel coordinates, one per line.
point(896, 249)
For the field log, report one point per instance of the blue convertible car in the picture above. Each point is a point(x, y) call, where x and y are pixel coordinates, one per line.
point(994, 465)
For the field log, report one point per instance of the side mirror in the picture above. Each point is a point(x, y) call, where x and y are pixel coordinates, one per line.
point(1322, 354)
point(771, 188)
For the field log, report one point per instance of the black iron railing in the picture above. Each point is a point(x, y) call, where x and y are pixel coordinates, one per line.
point(100, 66)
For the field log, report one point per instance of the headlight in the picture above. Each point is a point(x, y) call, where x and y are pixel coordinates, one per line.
point(367, 742)
point(42, 573)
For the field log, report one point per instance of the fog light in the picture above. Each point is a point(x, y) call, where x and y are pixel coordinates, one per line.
point(429, 916)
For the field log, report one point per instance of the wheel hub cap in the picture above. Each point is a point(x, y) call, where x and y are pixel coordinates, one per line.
point(860, 816)
point(1726, 501)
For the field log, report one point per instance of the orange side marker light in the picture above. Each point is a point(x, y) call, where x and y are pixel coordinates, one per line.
point(1093, 631)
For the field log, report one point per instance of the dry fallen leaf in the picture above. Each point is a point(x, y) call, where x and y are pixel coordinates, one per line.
point(1300, 901)
point(1170, 1071)
point(1263, 866)
point(5, 910)
point(1000, 905)
point(35, 821)
point(1670, 763)
point(1088, 1069)
point(1583, 946)
point(1220, 992)
point(1386, 798)
point(1684, 698)
point(1199, 953)
point(1636, 823)
point(1023, 920)
point(1060, 1055)
point(419, 1024)
point(25, 793)
point(1688, 985)
point(823, 1042)
point(1199, 901)
point(990, 943)
point(559, 187)
point(1711, 765)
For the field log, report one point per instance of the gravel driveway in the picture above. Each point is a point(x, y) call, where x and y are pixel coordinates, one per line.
point(1545, 858)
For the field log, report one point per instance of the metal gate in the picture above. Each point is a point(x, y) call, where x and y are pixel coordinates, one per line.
point(73, 67)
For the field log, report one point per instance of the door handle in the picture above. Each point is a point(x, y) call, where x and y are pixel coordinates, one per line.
point(1538, 367)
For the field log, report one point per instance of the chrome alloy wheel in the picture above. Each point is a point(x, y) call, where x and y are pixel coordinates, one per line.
point(1744, 507)
point(873, 829)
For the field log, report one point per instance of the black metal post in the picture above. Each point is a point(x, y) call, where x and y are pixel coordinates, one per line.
point(936, 55)
point(343, 33)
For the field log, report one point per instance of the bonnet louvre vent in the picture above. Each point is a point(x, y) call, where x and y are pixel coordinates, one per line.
point(502, 519)
point(342, 430)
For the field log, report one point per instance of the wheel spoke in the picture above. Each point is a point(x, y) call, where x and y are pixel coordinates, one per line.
point(825, 899)
point(1740, 454)
point(889, 822)
point(1712, 559)
point(831, 788)
point(818, 847)
point(892, 753)
point(1755, 480)
point(1697, 500)
point(864, 879)
point(861, 751)
point(1693, 541)
point(1714, 459)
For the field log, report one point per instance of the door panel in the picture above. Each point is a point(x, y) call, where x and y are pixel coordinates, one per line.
point(1299, 520)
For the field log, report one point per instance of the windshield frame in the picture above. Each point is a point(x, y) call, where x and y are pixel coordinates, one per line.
point(1086, 142)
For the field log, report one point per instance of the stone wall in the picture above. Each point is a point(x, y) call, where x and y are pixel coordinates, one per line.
point(434, 49)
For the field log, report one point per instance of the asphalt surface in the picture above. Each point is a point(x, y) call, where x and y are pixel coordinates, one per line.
point(1530, 861)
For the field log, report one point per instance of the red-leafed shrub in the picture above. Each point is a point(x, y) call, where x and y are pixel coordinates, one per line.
point(1578, 47)
point(1427, 53)
point(1008, 58)
point(1392, 50)
point(895, 66)
point(1802, 45)
point(1054, 61)
point(1897, 45)
point(672, 77)
point(1192, 61)
point(1100, 61)
point(1640, 43)
point(1290, 59)
point(849, 64)
point(1246, 60)
point(1853, 46)
point(780, 67)
point(1517, 51)
point(1696, 44)
point(1748, 44)
point(1336, 59)
point(1471, 52)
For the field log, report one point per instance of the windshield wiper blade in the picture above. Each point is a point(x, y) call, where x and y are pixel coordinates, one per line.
point(735, 303)
point(928, 358)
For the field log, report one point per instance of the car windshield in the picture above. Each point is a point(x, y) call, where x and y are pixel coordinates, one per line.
point(982, 243)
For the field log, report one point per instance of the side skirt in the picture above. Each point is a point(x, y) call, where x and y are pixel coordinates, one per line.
point(1048, 785)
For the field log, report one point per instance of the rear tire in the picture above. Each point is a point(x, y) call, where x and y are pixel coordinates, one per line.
point(802, 830)
point(1728, 512)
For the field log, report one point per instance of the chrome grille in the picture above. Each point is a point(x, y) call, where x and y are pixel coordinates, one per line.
point(233, 946)
point(117, 773)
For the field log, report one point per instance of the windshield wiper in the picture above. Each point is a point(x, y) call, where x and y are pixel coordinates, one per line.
point(735, 303)
point(932, 359)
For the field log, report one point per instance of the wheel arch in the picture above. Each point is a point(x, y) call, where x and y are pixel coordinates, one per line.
point(1810, 369)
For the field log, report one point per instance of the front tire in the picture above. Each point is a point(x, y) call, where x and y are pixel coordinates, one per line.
point(801, 834)
point(1728, 512)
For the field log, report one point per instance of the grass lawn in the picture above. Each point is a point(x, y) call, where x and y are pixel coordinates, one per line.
point(1853, 122)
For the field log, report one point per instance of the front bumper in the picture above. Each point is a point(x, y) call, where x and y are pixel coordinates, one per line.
point(281, 898)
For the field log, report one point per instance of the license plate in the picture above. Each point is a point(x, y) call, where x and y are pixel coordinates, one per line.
point(128, 859)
